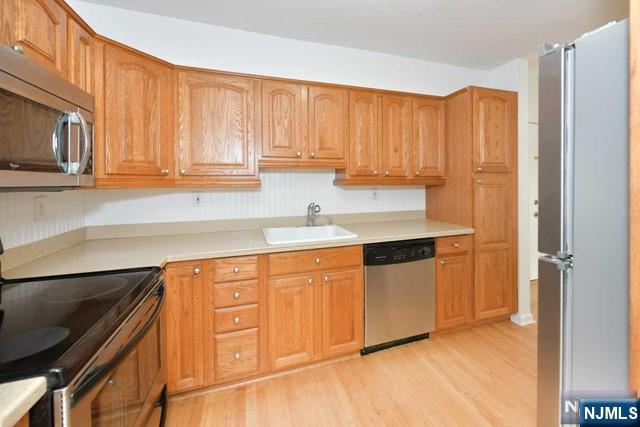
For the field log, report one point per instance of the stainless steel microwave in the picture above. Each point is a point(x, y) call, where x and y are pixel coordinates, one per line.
point(46, 128)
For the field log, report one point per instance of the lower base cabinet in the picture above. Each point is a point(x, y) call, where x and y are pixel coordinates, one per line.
point(235, 318)
point(454, 282)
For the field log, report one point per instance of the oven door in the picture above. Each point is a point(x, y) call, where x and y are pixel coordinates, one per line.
point(126, 383)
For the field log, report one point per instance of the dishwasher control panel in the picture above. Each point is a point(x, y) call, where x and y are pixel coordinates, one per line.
point(399, 252)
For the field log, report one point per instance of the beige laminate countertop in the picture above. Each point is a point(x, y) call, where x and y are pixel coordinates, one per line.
point(17, 397)
point(147, 251)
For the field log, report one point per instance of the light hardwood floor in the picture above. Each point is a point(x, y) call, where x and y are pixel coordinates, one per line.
point(485, 376)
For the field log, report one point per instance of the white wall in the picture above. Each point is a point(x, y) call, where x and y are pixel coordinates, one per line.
point(283, 193)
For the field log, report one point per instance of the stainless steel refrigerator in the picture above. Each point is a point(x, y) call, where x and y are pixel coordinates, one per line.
point(583, 320)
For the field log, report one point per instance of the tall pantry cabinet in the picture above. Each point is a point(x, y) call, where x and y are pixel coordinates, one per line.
point(481, 135)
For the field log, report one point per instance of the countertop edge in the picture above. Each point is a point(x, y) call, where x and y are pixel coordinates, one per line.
point(18, 397)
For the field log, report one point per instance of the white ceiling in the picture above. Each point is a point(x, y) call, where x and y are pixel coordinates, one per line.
point(472, 33)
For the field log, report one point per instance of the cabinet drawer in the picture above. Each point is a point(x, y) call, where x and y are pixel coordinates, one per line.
point(235, 293)
point(236, 268)
point(236, 354)
point(235, 318)
point(321, 259)
point(453, 244)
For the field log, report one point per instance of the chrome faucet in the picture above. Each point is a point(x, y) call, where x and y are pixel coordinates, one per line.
point(312, 211)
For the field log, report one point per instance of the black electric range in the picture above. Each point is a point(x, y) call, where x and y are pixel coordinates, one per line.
point(55, 326)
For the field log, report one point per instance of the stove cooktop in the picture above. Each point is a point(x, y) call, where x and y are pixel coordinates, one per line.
point(52, 326)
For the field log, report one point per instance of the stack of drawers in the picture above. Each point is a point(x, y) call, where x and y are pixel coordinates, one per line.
point(236, 317)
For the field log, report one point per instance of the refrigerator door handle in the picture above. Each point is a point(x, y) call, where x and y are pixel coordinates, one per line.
point(561, 264)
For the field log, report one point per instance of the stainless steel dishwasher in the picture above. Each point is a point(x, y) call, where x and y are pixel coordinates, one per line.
point(400, 293)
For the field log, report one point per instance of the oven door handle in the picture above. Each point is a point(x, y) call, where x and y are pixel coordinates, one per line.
point(94, 375)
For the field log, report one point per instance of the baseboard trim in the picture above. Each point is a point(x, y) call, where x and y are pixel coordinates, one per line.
point(522, 319)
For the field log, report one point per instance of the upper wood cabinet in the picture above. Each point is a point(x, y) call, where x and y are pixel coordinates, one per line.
point(216, 125)
point(138, 115)
point(81, 57)
point(328, 122)
point(495, 245)
point(396, 135)
point(494, 129)
point(291, 313)
point(428, 137)
point(342, 312)
point(365, 139)
point(185, 311)
point(39, 27)
point(283, 119)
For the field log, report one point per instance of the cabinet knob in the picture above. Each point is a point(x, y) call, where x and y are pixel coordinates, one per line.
point(326, 279)
point(479, 169)
point(310, 280)
point(236, 356)
point(236, 295)
point(317, 260)
point(456, 244)
point(165, 172)
point(417, 173)
point(375, 173)
point(312, 155)
point(441, 262)
point(111, 381)
point(236, 270)
point(18, 48)
point(386, 173)
point(183, 172)
point(196, 270)
point(478, 181)
point(535, 214)
point(299, 154)
point(236, 320)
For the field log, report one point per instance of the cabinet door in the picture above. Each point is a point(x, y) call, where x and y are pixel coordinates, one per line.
point(284, 108)
point(81, 58)
point(342, 312)
point(40, 28)
point(138, 114)
point(495, 251)
point(428, 137)
point(291, 320)
point(328, 118)
point(216, 122)
point(185, 311)
point(396, 134)
point(494, 129)
point(365, 129)
point(454, 290)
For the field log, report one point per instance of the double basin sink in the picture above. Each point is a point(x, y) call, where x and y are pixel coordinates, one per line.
point(318, 233)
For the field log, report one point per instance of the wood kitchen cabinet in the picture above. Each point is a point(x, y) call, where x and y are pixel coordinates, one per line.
point(396, 135)
point(495, 129)
point(39, 29)
point(185, 315)
point(136, 147)
point(216, 127)
point(303, 125)
point(81, 56)
point(495, 245)
point(365, 139)
point(454, 281)
point(428, 137)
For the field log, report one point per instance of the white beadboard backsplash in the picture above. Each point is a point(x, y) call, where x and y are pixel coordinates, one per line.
point(283, 193)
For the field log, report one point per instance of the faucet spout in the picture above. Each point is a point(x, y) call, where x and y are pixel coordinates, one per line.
point(313, 209)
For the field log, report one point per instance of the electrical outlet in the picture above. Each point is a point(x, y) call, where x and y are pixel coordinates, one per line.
point(374, 195)
point(40, 208)
point(197, 199)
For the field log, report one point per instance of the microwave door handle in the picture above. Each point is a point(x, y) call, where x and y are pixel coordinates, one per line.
point(84, 135)
point(56, 143)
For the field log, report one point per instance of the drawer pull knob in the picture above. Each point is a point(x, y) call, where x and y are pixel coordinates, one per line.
point(236, 295)
point(375, 173)
point(326, 279)
point(165, 172)
point(441, 262)
point(417, 173)
point(456, 245)
point(310, 280)
point(386, 173)
point(317, 260)
point(479, 169)
point(183, 171)
point(196, 270)
point(299, 154)
point(236, 320)
point(236, 270)
point(236, 356)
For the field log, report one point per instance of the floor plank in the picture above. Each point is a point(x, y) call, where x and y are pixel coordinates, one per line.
point(485, 376)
